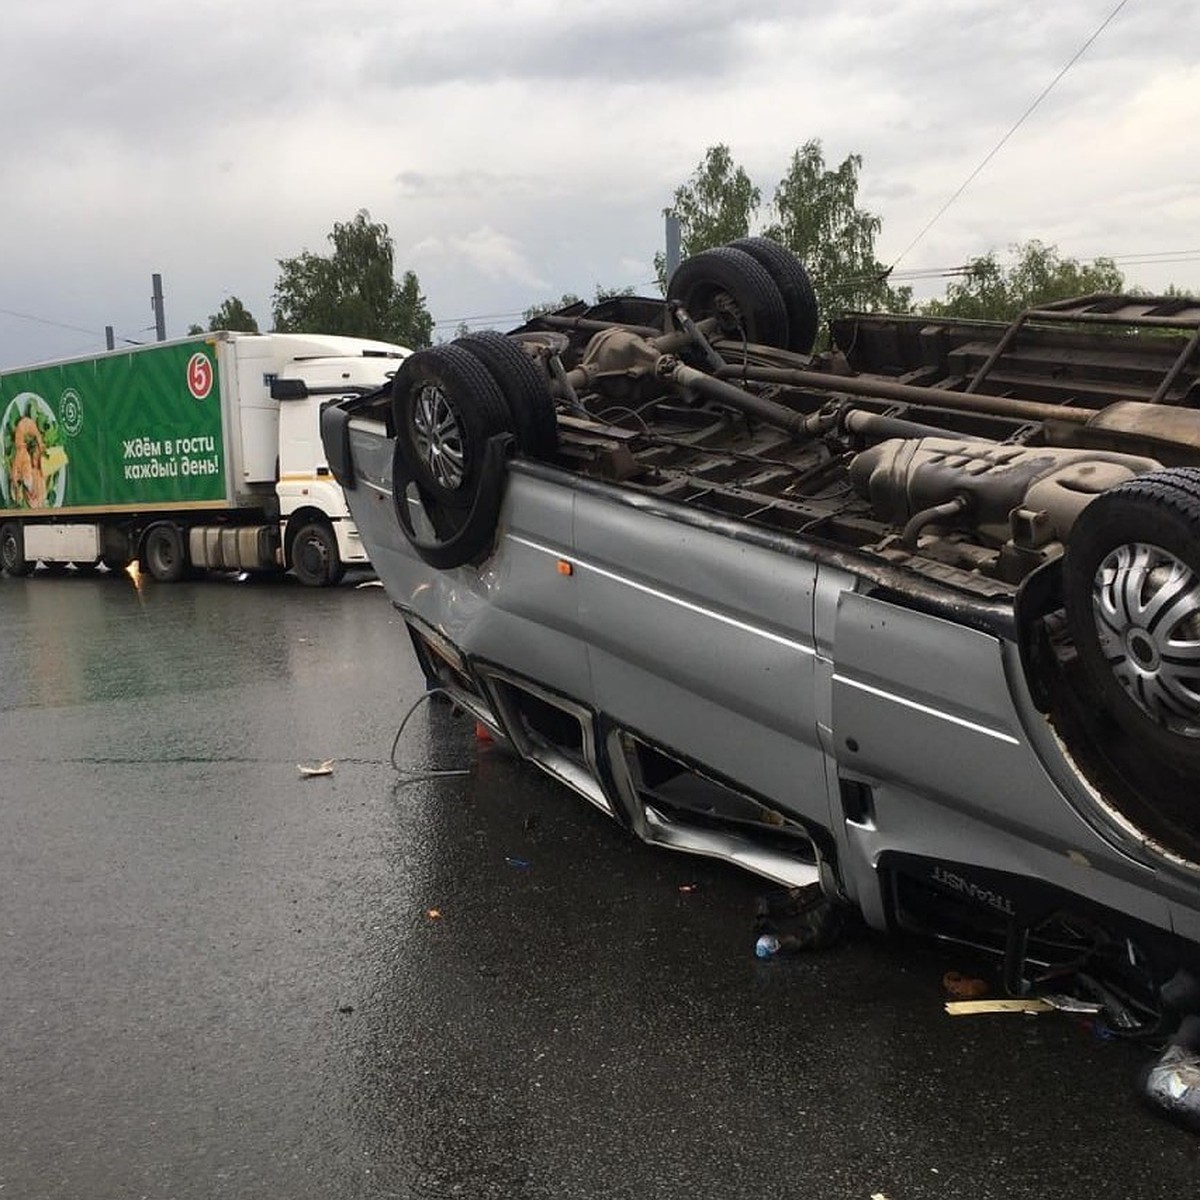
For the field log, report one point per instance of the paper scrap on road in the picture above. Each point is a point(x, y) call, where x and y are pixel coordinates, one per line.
point(968, 1008)
point(322, 768)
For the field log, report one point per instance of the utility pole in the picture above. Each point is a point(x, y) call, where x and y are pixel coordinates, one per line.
point(673, 244)
point(160, 319)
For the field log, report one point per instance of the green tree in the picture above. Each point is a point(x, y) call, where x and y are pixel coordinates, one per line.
point(353, 290)
point(1038, 275)
point(550, 306)
point(715, 206)
point(232, 314)
point(815, 214)
point(569, 298)
point(817, 217)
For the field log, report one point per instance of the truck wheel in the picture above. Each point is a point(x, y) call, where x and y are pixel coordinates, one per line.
point(1131, 583)
point(12, 550)
point(446, 406)
point(315, 558)
point(794, 286)
point(165, 557)
point(525, 387)
point(730, 285)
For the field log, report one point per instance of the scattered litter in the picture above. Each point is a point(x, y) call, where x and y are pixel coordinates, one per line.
point(767, 946)
point(433, 692)
point(323, 768)
point(521, 864)
point(358, 587)
point(686, 889)
point(970, 1008)
point(434, 914)
point(791, 920)
point(961, 987)
point(1172, 1084)
point(1072, 1004)
point(878, 1196)
point(346, 1008)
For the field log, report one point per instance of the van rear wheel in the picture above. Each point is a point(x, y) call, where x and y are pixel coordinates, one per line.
point(730, 285)
point(794, 285)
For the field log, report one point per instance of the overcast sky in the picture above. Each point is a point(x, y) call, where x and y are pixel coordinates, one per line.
point(523, 149)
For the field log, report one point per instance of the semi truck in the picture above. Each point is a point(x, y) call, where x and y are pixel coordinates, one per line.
point(200, 453)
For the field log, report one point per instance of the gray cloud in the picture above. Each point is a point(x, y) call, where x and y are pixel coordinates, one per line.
point(527, 144)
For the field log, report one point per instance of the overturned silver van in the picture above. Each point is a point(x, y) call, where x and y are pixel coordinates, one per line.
point(916, 616)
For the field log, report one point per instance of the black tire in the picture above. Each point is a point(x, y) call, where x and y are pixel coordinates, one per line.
point(459, 535)
point(12, 550)
point(1131, 588)
point(730, 285)
point(525, 387)
point(315, 558)
point(165, 557)
point(794, 286)
point(446, 405)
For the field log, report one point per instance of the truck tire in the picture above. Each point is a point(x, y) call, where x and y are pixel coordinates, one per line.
point(315, 558)
point(730, 285)
point(525, 387)
point(794, 286)
point(1131, 588)
point(166, 559)
point(12, 550)
point(445, 406)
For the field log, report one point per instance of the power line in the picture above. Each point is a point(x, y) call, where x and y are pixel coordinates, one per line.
point(8, 312)
point(1020, 121)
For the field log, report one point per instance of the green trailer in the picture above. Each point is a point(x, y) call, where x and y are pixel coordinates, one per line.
point(200, 453)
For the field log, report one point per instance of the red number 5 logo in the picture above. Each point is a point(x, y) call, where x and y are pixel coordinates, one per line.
point(199, 375)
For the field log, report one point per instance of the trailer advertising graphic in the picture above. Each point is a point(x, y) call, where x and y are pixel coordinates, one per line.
point(134, 430)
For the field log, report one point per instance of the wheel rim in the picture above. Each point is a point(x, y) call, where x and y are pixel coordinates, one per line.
point(1147, 607)
point(439, 438)
point(313, 558)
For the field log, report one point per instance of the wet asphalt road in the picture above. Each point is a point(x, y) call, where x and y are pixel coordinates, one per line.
point(217, 979)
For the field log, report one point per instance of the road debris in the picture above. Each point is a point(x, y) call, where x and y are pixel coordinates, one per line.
point(963, 988)
point(1072, 1004)
point(322, 768)
point(971, 1008)
point(791, 920)
point(1172, 1084)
